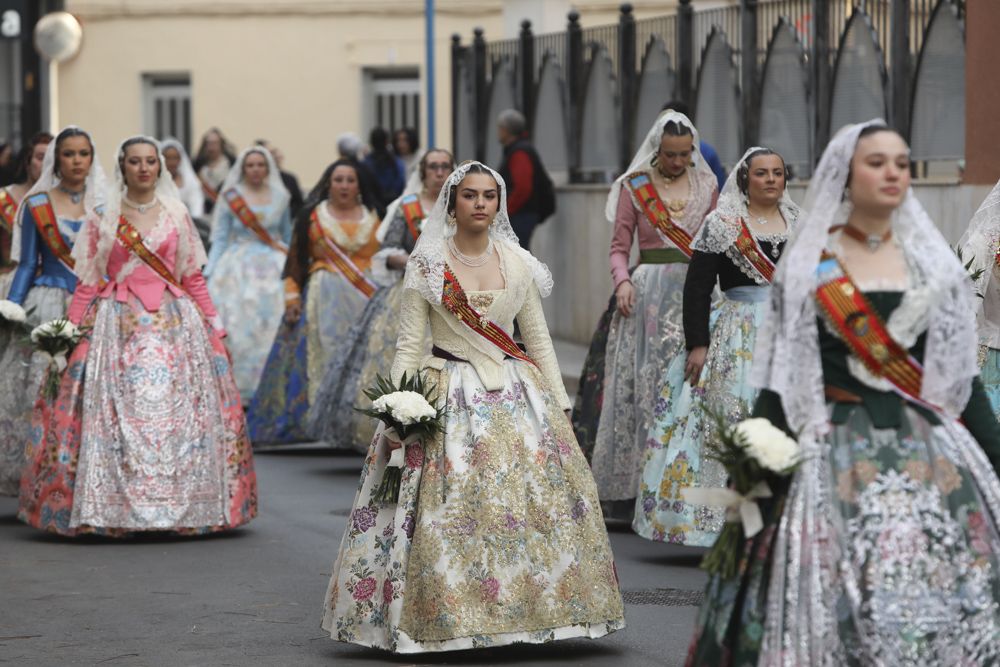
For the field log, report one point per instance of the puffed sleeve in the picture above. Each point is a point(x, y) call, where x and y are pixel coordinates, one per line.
point(414, 312)
point(24, 276)
point(626, 220)
point(219, 237)
point(535, 334)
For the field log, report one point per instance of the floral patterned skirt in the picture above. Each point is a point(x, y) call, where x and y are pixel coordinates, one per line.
point(497, 538)
point(884, 551)
point(590, 394)
point(682, 430)
point(368, 351)
point(640, 348)
point(21, 373)
point(147, 432)
point(246, 289)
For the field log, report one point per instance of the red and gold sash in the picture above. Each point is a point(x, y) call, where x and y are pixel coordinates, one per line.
point(656, 211)
point(241, 210)
point(338, 258)
point(8, 210)
point(858, 324)
point(130, 237)
point(210, 194)
point(454, 299)
point(48, 227)
point(753, 253)
point(413, 213)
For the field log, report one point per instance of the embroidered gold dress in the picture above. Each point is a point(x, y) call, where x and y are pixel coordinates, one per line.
point(498, 536)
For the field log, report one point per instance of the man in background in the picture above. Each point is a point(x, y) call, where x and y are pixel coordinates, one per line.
point(531, 198)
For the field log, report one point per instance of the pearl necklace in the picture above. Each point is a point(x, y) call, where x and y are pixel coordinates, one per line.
point(471, 261)
point(142, 208)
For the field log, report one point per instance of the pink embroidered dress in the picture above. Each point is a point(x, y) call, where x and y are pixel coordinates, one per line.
point(147, 432)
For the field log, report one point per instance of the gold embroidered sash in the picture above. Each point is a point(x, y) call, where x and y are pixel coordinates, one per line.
point(413, 213)
point(242, 211)
point(130, 237)
point(748, 246)
point(8, 211)
point(338, 258)
point(456, 301)
point(656, 211)
point(862, 329)
point(47, 225)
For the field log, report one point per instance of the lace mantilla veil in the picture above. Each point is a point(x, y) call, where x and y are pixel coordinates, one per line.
point(722, 226)
point(96, 239)
point(234, 179)
point(809, 568)
point(787, 359)
point(188, 174)
point(93, 198)
point(649, 147)
point(425, 270)
point(979, 245)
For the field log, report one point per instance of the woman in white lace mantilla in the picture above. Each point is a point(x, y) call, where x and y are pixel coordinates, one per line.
point(251, 230)
point(661, 202)
point(736, 249)
point(369, 347)
point(882, 547)
point(498, 536)
point(70, 188)
point(147, 432)
point(980, 245)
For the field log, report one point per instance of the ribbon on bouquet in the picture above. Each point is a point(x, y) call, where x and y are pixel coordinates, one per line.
point(57, 360)
point(397, 447)
point(742, 508)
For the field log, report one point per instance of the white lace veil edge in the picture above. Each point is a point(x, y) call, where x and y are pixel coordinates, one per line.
point(721, 227)
point(649, 147)
point(95, 182)
point(425, 269)
point(234, 179)
point(188, 174)
point(787, 359)
point(414, 185)
point(979, 246)
point(95, 241)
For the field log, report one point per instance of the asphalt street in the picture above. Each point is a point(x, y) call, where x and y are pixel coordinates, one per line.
point(254, 597)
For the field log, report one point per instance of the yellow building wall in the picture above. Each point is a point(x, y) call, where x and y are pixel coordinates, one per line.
point(287, 70)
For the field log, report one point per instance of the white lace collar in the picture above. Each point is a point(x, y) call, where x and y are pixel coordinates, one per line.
point(350, 243)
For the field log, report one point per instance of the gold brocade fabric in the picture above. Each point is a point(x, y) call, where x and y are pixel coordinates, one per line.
point(497, 538)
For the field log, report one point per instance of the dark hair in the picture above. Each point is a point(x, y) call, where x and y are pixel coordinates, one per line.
point(674, 129)
point(69, 133)
point(378, 139)
point(135, 141)
point(24, 158)
point(678, 106)
point(411, 138)
point(867, 132)
point(473, 169)
point(743, 173)
point(422, 165)
point(227, 148)
point(259, 150)
point(296, 267)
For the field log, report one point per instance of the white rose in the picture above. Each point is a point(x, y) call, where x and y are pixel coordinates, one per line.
point(406, 407)
point(769, 445)
point(11, 311)
point(58, 328)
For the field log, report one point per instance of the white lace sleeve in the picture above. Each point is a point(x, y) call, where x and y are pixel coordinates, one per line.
point(414, 312)
point(535, 333)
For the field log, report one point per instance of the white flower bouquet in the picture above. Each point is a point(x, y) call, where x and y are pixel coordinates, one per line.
point(55, 339)
point(751, 451)
point(12, 315)
point(409, 416)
